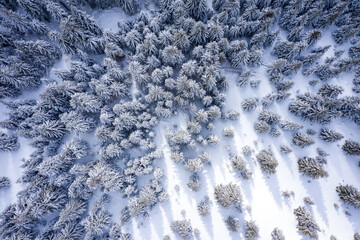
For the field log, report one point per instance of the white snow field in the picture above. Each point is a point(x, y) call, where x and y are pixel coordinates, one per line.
point(263, 194)
point(263, 200)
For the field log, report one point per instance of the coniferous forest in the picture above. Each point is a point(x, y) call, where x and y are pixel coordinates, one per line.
point(179, 119)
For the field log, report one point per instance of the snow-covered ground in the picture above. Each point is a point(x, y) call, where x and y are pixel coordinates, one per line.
point(263, 199)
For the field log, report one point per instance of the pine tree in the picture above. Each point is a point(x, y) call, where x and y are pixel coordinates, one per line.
point(38, 52)
point(349, 194)
point(194, 164)
point(130, 7)
point(311, 168)
point(356, 236)
point(203, 207)
point(181, 40)
point(290, 126)
point(194, 182)
point(289, 50)
point(354, 51)
point(79, 189)
point(313, 36)
point(62, 162)
point(72, 230)
point(196, 8)
point(114, 51)
point(56, 10)
point(52, 129)
point(261, 127)
point(228, 195)
point(8, 143)
point(4, 182)
point(198, 33)
point(244, 79)
point(75, 121)
point(351, 147)
point(295, 34)
point(306, 223)
point(229, 6)
point(277, 234)
point(172, 56)
point(85, 102)
point(96, 223)
point(232, 223)
point(73, 211)
point(251, 230)
point(238, 53)
point(302, 140)
point(269, 116)
point(267, 161)
point(228, 132)
point(104, 176)
point(183, 228)
point(343, 33)
point(16, 21)
point(34, 8)
point(215, 31)
point(330, 90)
point(329, 135)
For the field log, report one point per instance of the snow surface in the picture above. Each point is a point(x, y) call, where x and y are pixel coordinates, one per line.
point(263, 200)
point(262, 194)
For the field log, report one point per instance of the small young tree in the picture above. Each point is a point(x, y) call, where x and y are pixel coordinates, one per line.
point(277, 234)
point(232, 223)
point(251, 230)
point(354, 51)
point(204, 207)
point(194, 182)
point(290, 126)
point(243, 79)
point(4, 182)
point(261, 127)
point(228, 132)
point(307, 200)
point(285, 149)
point(238, 163)
point(356, 236)
point(249, 104)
